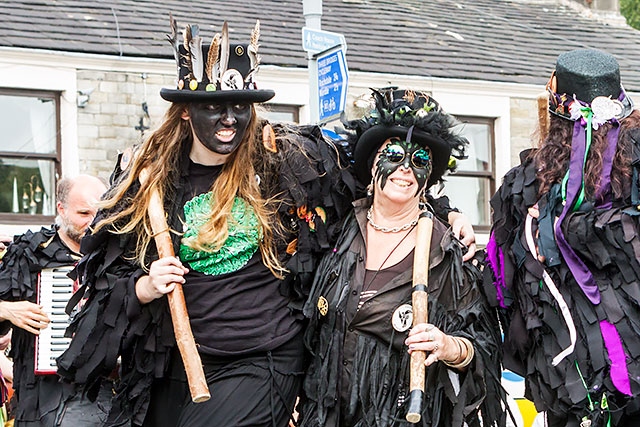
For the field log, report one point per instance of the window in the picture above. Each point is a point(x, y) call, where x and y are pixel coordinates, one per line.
point(473, 184)
point(29, 155)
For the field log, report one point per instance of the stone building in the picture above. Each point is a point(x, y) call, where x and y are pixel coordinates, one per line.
point(80, 81)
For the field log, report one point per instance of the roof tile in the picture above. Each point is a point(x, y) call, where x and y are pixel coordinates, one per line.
point(496, 40)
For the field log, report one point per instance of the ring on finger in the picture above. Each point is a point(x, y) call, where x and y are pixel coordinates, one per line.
point(435, 348)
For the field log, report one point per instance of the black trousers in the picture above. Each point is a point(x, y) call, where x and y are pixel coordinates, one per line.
point(256, 390)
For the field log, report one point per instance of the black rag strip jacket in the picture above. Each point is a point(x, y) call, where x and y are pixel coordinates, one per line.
point(113, 324)
point(379, 387)
point(535, 331)
point(25, 258)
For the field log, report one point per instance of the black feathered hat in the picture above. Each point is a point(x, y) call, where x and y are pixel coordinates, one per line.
point(220, 72)
point(397, 112)
point(588, 78)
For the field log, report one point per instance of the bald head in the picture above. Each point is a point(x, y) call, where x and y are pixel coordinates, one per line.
point(88, 185)
point(77, 205)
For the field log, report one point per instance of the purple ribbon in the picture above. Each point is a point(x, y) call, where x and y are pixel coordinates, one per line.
point(495, 259)
point(577, 267)
point(613, 343)
point(618, 372)
point(603, 195)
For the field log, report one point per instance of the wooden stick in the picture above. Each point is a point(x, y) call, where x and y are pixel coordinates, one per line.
point(419, 302)
point(179, 316)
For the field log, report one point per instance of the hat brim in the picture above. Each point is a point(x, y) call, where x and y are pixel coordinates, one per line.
point(627, 109)
point(373, 138)
point(240, 96)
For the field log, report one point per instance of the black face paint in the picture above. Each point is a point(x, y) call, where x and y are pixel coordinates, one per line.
point(408, 154)
point(220, 127)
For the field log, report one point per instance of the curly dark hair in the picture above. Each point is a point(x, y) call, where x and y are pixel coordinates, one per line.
point(552, 158)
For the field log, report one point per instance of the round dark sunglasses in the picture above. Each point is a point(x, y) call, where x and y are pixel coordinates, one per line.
point(395, 153)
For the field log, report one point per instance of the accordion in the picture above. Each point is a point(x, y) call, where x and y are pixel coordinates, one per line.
point(54, 291)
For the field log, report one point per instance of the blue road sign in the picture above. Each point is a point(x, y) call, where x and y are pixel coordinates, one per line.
point(316, 41)
point(333, 80)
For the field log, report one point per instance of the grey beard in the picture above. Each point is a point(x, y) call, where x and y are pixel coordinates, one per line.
point(69, 230)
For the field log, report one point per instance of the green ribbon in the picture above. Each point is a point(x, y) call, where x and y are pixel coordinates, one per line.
point(604, 403)
point(588, 115)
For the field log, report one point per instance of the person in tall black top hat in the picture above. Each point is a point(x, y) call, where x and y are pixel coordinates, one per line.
point(249, 207)
point(564, 252)
point(360, 333)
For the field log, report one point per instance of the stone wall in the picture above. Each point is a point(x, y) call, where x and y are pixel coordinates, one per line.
point(107, 124)
point(524, 121)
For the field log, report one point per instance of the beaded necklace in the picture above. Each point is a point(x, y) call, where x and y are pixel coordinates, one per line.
point(387, 229)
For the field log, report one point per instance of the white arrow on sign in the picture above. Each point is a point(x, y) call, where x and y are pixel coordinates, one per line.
point(316, 41)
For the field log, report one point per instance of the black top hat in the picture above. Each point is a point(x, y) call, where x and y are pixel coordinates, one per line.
point(586, 75)
point(221, 72)
point(396, 112)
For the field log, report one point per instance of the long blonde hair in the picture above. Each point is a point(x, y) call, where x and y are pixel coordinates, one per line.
point(160, 157)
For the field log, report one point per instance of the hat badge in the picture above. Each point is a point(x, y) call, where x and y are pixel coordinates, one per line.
point(323, 305)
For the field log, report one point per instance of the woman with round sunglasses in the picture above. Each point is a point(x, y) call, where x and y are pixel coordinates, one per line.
point(360, 332)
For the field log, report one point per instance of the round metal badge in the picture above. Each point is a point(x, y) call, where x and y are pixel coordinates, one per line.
point(323, 305)
point(232, 80)
point(402, 318)
point(126, 157)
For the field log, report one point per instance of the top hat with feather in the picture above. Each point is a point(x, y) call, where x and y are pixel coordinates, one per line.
point(411, 115)
point(218, 72)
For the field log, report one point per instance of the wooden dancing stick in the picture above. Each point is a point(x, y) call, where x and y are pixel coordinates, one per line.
point(419, 301)
point(179, 316)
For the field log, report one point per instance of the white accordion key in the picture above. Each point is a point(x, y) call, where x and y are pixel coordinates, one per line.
point(54, 291)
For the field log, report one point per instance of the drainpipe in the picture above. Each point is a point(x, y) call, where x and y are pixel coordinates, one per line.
point(312, 10)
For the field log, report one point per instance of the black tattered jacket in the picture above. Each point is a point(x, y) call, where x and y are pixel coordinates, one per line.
point(359, 370)
point(113, 324)
point(25, 258)
point(584, 383)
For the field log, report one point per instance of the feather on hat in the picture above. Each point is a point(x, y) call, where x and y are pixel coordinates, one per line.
point(397, 111)
point(215, 72)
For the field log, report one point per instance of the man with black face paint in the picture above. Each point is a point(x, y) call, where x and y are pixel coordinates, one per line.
point(360, 333)
point(219, 127)
point(238, 196)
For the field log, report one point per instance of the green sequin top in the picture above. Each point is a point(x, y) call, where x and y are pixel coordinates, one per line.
point(240, 246)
